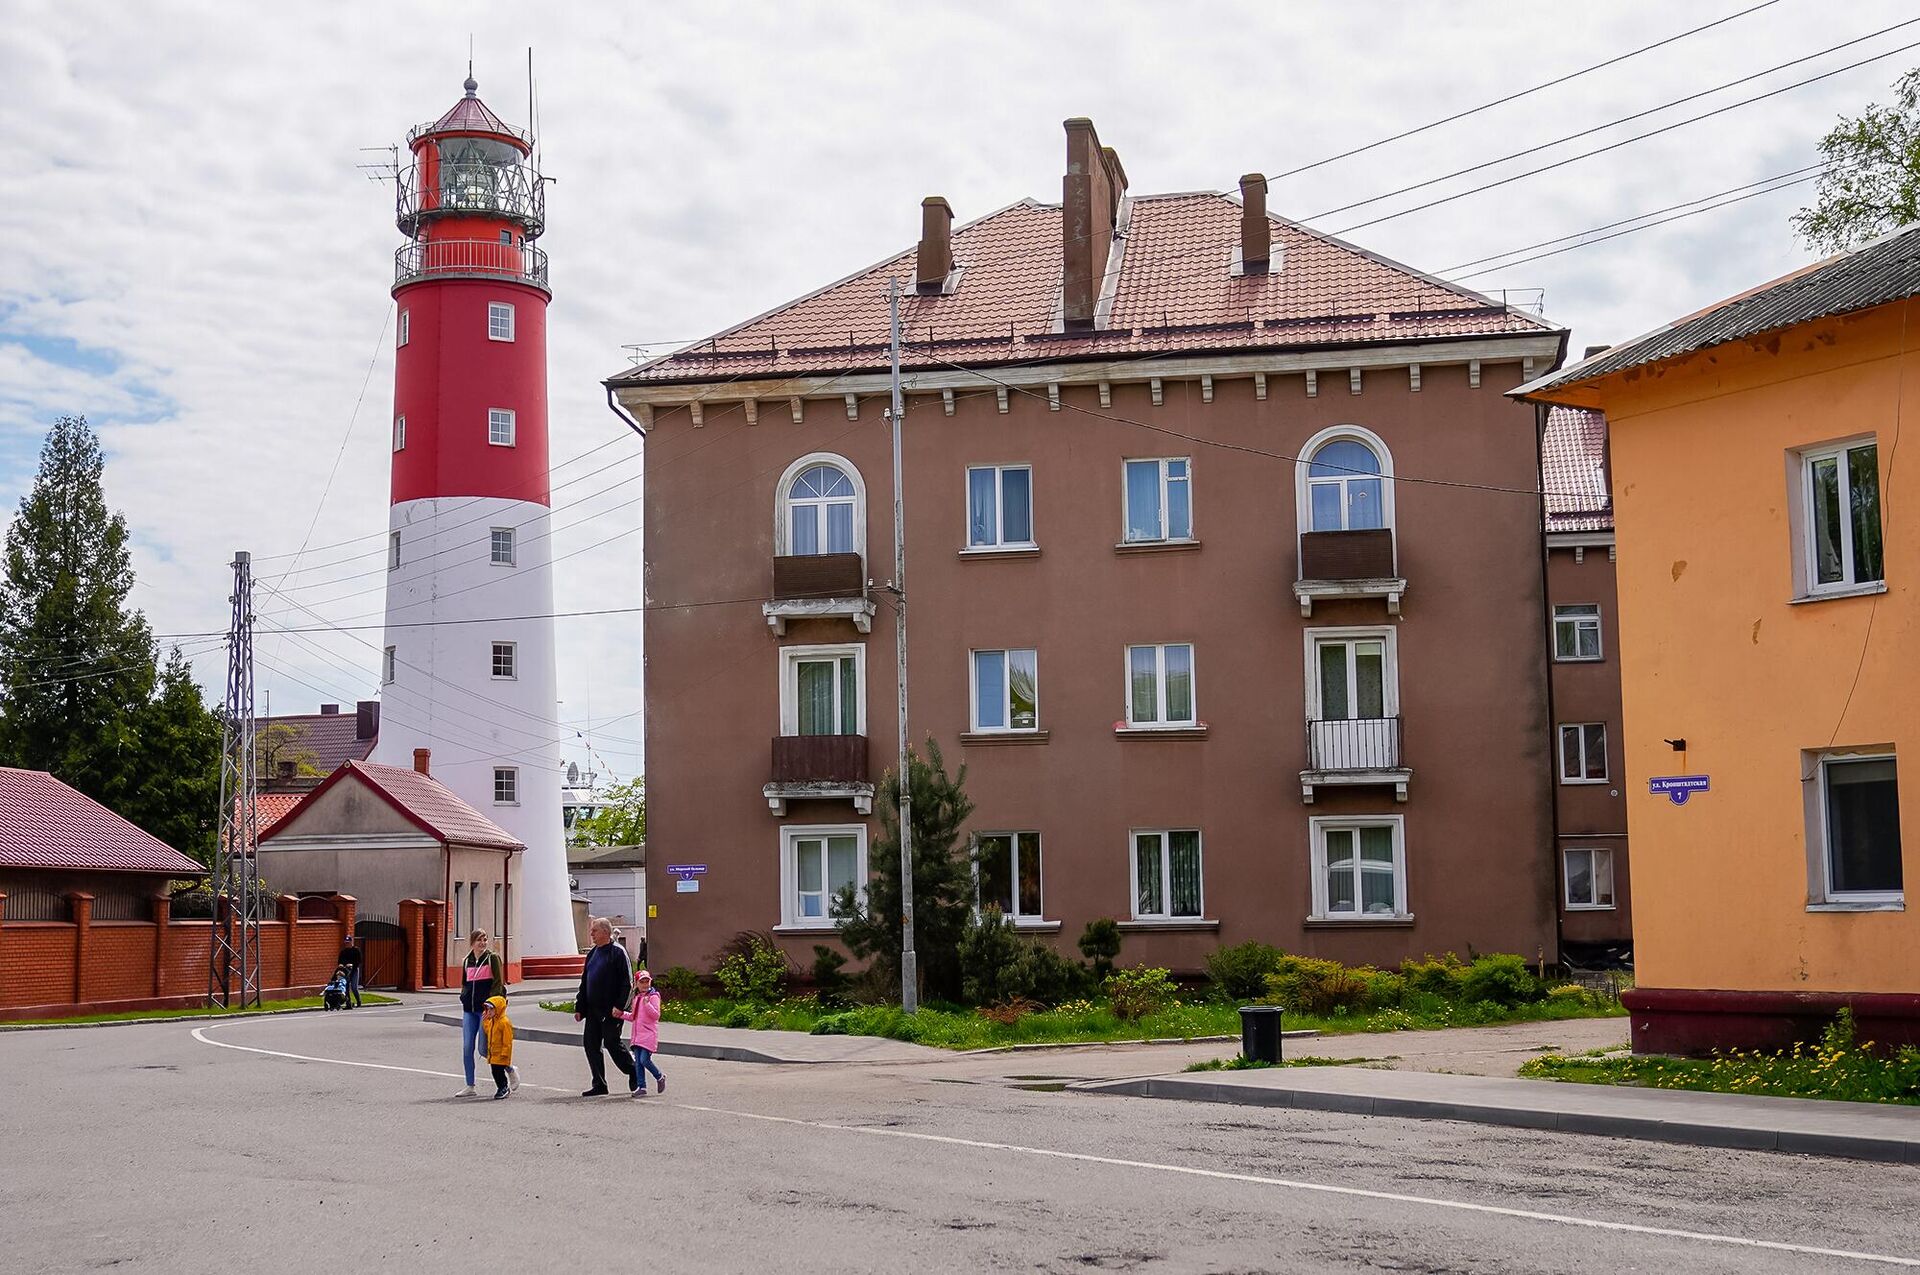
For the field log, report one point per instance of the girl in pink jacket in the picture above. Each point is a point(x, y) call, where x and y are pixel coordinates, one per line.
point(644, 1014)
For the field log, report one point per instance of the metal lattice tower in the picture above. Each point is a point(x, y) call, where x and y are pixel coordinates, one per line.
point(233, 973)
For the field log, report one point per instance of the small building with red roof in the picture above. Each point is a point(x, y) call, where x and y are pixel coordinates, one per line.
point(56, 841)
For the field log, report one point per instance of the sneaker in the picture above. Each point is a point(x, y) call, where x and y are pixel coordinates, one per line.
point(501, 1093)
point(660, 1084)
point(641, 1092)
point(513, 1079)
point(598, 1091)
point(465, 1093)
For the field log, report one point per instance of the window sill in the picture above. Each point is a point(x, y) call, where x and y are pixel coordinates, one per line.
point(1584, 783)
point(1359, 922)
point(1589, 907)
point(1155, 546)
point(1852, 591)
point(1037, 927)
point(1121, 731)
point(1863, 906)
point(807, 927)
point(1169, 925)
point(990, 738)
point(1580, 659)
point(1001, 551)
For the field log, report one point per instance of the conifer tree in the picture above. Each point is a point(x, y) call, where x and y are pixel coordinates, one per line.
point(178, 797)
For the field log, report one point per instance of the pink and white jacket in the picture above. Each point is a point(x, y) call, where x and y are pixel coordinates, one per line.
point(644, 1014)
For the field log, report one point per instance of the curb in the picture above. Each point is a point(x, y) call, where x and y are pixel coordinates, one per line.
point(1303, 1033)
point(1687, 1132)
point(29, 1025)
point(681, 1049)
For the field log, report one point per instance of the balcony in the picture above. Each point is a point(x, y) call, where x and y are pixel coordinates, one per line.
point(1355, 752)
point(819, 768)
point(819, 586)
point(470, 259)
point(1348, 564)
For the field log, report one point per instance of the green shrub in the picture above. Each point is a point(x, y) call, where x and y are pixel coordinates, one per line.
point(682, 984)
point(1572, 992)
point(830, 984)
point(1436, 976)
point(1385, 990)
point(1309, 985)
point(1501, 980)
point(999, 966)
point(1240, 972)
point(1136, 992)
point(753, 970)
point(1100, 943)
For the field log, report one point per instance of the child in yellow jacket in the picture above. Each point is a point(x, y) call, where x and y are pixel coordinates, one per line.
point(499, 1033)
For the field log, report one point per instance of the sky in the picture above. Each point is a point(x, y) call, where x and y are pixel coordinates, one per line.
point(199, 265)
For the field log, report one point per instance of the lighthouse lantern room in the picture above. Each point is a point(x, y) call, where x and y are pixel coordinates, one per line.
point(467, 671)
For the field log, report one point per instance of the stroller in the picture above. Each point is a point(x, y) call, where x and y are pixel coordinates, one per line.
point(335, 996)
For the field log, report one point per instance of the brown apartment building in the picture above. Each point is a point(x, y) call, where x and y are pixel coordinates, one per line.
point(1225, 576)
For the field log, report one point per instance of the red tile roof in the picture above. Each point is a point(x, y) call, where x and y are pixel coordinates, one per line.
point(1573, 470)
point(321, 741)
point(271, 807)
point(1175, 293)
point(46, 824)
point(422, 799)
point(469, 115)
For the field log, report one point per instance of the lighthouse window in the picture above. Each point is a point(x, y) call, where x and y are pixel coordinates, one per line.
point(499, 318)
point(399, 433)
point(405, 327)
point(504, 660)
point(386, 666)
point(506, 786)
point(503, 546)
point(500, 426)
point(393, 551)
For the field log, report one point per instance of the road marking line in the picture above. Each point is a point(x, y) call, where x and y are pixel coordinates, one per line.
point(1221, 1175)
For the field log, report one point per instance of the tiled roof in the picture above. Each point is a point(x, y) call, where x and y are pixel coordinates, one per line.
point(1573, 470)
point(424, 800)
point(1888, 269)
point(321, 741)
point(469, 115)
point(271, 807)
point(1174, 293)
point(46, 824)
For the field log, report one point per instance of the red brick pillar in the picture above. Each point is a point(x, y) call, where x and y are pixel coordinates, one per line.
point(287, 908)
point(439, 929)
point(82, 904)
point(162, 922)
point(346, 909)
point(413, 927)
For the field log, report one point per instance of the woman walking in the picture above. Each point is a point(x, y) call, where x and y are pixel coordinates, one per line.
point(482, 977)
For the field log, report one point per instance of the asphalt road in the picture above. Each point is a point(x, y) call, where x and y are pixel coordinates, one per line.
point(147, 1147)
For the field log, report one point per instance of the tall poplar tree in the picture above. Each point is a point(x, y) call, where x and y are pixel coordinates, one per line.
point(1872, 180)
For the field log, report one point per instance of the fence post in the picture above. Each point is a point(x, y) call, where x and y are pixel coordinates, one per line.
point(3, 949)
point(347, 909)
point(411, 930)
point(82, 904)
point(162, 922)
point(288, 908)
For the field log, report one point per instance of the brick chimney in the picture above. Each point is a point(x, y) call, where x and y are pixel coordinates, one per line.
point(936, 244)
point(420, 757)
point(1256, 232)
point(1089, 204)
point(366, 719)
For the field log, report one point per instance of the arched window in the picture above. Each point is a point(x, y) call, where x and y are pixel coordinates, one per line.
point(822, 512)
point(1346, 487)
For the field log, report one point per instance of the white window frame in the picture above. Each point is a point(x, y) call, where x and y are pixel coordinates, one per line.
point(1578, 616)
point(999, 540)
point(1166, 874)
point(1126, 513)
point(1006, 690)
point(1596, 855)
point(1389, 672)
point(493, 546)
point(405, 330)
point(1303, 496)
point(1807, 559)
point(782, 501)
point(388, 660)
point(790, 918)
point(497, 416)
point(512, 775)
point(1317, 828)
point(1013, 868)
point(1159, 650)
point(512, 650)
point(790, 659)
point(393, 551)
point(501, 321)
point(400, 433)
point(1560, 753)
point(1820, 850)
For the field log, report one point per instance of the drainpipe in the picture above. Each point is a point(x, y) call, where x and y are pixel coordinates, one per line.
point(1540, 411)
point(446, 919)
point(506, 910)
point(613, 401)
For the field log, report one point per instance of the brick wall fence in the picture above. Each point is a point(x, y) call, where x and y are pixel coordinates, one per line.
point(54, 969)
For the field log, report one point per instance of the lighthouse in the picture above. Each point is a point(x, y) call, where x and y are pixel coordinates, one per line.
point(467, 669)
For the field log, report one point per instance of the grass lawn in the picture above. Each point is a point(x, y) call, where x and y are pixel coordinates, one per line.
point(1093, 1021)
point(145, 1015)
point(1837, 1069)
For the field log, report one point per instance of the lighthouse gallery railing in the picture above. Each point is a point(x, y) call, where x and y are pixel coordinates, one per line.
point(430, 258)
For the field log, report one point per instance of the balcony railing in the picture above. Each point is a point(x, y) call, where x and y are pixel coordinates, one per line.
point(1347, 555)
point(1361, 743)
point(471, 258)
point(820, 759)
point(472, 189)
point(819, 575)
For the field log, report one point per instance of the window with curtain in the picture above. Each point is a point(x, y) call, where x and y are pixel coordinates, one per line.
point(999, 506)
point(827, 695)
point(1589, 872)
point(821, 865)
point(1008, 865)
point(1862, 825)
point(1159, 500)
point(1583, 753)
point(820, 512)
point(1576, 632)
point(1166, 873)
point(1160, 685)
point(1006, 690)
point(1353, 678)
point(1345, 489)
point(1842, 499)
point(1359, 866)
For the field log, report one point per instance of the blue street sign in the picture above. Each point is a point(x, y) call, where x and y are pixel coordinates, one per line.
point(686, 869)
point(1677, 788)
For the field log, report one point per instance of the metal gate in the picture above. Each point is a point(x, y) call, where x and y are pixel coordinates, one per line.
point(383, 947)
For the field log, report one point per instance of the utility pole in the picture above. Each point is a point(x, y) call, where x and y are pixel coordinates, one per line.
point(909, 959)
point(233, 969)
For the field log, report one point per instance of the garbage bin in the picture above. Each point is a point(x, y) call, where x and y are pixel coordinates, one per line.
point(1260, 1033)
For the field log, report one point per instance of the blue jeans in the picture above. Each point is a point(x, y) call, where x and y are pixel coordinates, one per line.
point(353, 985)
point(643, 1062)
point(469, 1039)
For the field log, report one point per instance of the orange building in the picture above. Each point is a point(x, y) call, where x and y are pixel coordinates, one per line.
point(1768, 620)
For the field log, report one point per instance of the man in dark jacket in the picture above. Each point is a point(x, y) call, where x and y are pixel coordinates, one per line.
point(351, 958)
point(606, 984)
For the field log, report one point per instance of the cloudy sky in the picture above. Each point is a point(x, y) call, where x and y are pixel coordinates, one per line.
point(199, 267)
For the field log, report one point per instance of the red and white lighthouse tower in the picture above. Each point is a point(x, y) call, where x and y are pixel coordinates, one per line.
point(468, 667)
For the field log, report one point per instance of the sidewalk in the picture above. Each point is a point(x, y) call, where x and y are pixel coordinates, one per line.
point(722, 1043)
point(1853, 1130)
